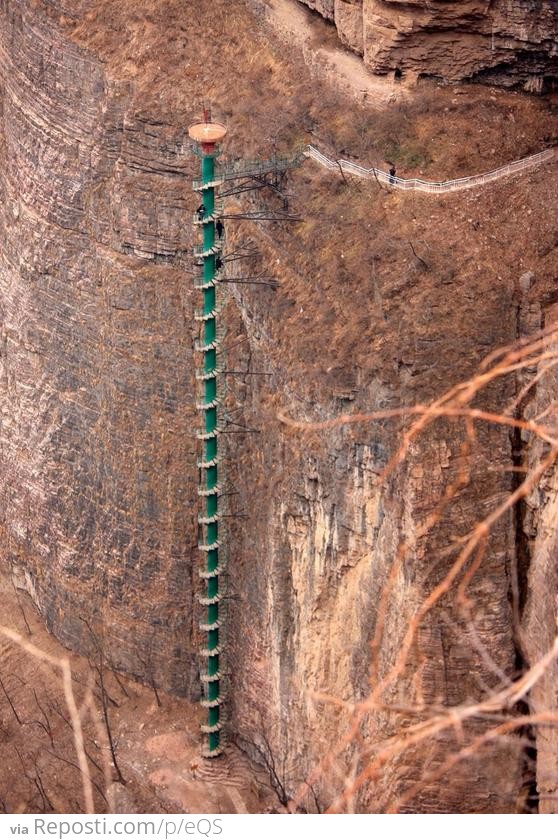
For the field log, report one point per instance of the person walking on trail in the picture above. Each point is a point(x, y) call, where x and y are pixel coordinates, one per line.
point(220, 228)
point(218, 263)
point(201, 211)
point(392, 171)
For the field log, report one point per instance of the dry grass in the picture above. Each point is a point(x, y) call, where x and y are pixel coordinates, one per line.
point(175, 57)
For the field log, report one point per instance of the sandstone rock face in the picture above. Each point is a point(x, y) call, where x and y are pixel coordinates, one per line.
point(314, 557)
point(350, 23)
point(311, 560)
point(324, 7)
point(506, 42)
point(96, 365)
point(539, 625)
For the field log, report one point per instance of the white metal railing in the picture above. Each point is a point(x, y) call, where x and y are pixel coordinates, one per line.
point(429, 186)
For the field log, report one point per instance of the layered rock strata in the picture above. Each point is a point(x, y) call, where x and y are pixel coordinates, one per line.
point(96, 361)
point(505, 42)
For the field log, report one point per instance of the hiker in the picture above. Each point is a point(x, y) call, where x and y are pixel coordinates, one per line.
point(218, 263)
point(392, 174)
point(201, 211)
point(220, 228)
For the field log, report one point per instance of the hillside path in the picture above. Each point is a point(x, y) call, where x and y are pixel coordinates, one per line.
point(416, 184)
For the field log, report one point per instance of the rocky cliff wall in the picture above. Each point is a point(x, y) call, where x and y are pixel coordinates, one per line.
point(538, 571)
point(505, 42)
point(312, 559)
point(96, 449)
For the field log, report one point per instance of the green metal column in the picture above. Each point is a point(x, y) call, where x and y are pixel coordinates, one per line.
point(209, 482)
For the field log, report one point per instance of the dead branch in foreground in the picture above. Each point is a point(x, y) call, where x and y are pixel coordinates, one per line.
point(500, 705)
point(62, 665)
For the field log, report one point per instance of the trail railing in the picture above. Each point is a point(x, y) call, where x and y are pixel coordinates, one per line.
point(417, 184)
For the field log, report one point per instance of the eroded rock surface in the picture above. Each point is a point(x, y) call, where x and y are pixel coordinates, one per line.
point(538, 572)
point(96, 369)
point(314, 561)
point(506, 42)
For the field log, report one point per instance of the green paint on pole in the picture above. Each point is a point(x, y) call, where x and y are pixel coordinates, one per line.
point(207, 135)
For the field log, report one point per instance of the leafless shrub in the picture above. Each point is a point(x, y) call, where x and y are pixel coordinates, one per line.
point(99, 666)
point(62, 665)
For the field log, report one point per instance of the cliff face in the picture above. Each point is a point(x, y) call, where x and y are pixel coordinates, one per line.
point(97, 394)
point(539, 620)
point(313, 557)
point(506, 42)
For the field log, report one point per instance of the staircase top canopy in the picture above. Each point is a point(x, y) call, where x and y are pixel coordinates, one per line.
point(207, 132)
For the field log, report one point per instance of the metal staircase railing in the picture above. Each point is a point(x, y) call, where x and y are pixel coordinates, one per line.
point(253, 168)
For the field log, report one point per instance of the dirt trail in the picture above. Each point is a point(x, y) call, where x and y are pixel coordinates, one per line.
point(346, 70)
